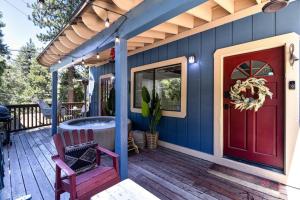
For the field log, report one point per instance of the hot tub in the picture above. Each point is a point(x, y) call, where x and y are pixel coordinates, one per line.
point(103, 127)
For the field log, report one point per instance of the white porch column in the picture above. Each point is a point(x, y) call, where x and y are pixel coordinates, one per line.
point(121, 134)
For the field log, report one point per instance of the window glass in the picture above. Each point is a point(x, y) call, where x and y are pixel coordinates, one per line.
point(142, 78)
point(167, 83)
point(237, 74)
point(245, 67)
point(168, 87)
point(256, 66)
point(253, 68)
point(265, 71)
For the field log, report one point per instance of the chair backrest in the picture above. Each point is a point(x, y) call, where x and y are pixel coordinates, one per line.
point(43, 104)
point(83, 109)
point(67, 138)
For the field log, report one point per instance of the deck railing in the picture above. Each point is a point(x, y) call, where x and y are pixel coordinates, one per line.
point(28, 116)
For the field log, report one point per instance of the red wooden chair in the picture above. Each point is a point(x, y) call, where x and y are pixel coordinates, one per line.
point(82, 186)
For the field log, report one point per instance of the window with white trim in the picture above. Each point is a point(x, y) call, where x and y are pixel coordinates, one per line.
point(168, 79)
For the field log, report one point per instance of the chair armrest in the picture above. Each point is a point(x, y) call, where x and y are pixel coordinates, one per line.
point(63, 166)
point(114, 156)
point(108, 152)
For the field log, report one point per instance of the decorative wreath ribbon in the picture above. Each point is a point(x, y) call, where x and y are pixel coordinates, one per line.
point(248, 103)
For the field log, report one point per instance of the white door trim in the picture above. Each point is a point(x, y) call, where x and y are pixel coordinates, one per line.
point(291, 174)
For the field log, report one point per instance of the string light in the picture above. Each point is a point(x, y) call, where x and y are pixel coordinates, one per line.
point(107, 24)
point(98, 56)
point(117, 39)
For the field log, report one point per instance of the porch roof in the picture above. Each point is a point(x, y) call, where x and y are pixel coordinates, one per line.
point(87, 26)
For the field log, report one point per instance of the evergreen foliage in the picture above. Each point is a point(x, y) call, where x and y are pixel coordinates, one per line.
point(52, 16)
point(24, 80)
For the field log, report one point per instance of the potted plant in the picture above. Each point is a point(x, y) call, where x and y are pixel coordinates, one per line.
point(151, 109)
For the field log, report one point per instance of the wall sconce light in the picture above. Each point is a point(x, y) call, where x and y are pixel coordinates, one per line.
point(192, 59)
point(117, 39)
point(293, 57)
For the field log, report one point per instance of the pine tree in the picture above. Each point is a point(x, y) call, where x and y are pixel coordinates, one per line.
point(52, 16)
point(3, 50)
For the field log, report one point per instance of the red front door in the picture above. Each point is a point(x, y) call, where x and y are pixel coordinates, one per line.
point(256, 137)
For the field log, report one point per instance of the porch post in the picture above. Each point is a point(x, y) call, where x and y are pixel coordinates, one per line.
point(54, 103)
point(121, 138)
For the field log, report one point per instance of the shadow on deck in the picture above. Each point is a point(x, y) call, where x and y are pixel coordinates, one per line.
point(166, 173)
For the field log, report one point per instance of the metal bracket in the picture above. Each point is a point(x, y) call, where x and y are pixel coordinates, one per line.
point(293, 57)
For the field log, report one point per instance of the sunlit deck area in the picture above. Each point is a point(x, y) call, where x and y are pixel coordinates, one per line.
point(166, 173)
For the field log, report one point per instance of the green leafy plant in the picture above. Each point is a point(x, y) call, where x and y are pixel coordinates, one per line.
point(151, 108)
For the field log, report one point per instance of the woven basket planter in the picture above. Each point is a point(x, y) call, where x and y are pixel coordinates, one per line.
point(152, 140)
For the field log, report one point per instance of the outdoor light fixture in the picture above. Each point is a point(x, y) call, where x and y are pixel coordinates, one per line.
point(117, 39)
point(192, 59)
point(59, 61)
point(107, 24)
point(275, 5)
point(82, 61)
point(98, 56)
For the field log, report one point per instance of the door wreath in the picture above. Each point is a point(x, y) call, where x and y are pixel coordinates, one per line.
point(249, 103)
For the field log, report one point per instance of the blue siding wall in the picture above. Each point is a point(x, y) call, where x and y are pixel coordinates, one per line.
point(196, 130)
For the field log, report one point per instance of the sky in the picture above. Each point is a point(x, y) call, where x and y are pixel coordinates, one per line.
point(18, 28)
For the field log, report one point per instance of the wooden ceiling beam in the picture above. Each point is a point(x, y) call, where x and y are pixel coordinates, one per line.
point(56, 51)
point(228, 5)
point(92, 21)
point(135, 44)
point(130, 48)
point(127, 4)
point(47, 63)
point(73, 37)
point(153, 34)
point(147, 40)
point(203, 11)
point(103, 14)
point(48, 59)
point(61, 47)
point(52, 55)
point(67, 43)
point(184, 20)
point(83, 31)
point(167, 28)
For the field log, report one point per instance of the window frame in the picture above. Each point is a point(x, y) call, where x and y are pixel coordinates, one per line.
point(180, 60)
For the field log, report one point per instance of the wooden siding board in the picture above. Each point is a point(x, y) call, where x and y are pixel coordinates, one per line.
point(224, 36)
point(288, 19)
point(242, 30)
point(263, 25)
point(193, 108)
point(172, 122)
point(206, 90)
point(197, 127)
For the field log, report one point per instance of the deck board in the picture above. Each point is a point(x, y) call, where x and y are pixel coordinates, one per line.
point(167, 174)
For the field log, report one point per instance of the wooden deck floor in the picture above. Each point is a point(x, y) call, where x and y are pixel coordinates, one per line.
point(167, 174)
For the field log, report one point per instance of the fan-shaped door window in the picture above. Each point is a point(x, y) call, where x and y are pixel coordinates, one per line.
point(252, 68)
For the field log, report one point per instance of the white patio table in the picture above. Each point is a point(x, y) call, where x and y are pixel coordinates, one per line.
point(125, 190)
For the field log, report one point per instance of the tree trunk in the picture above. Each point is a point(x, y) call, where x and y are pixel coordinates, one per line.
point(71, 74)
